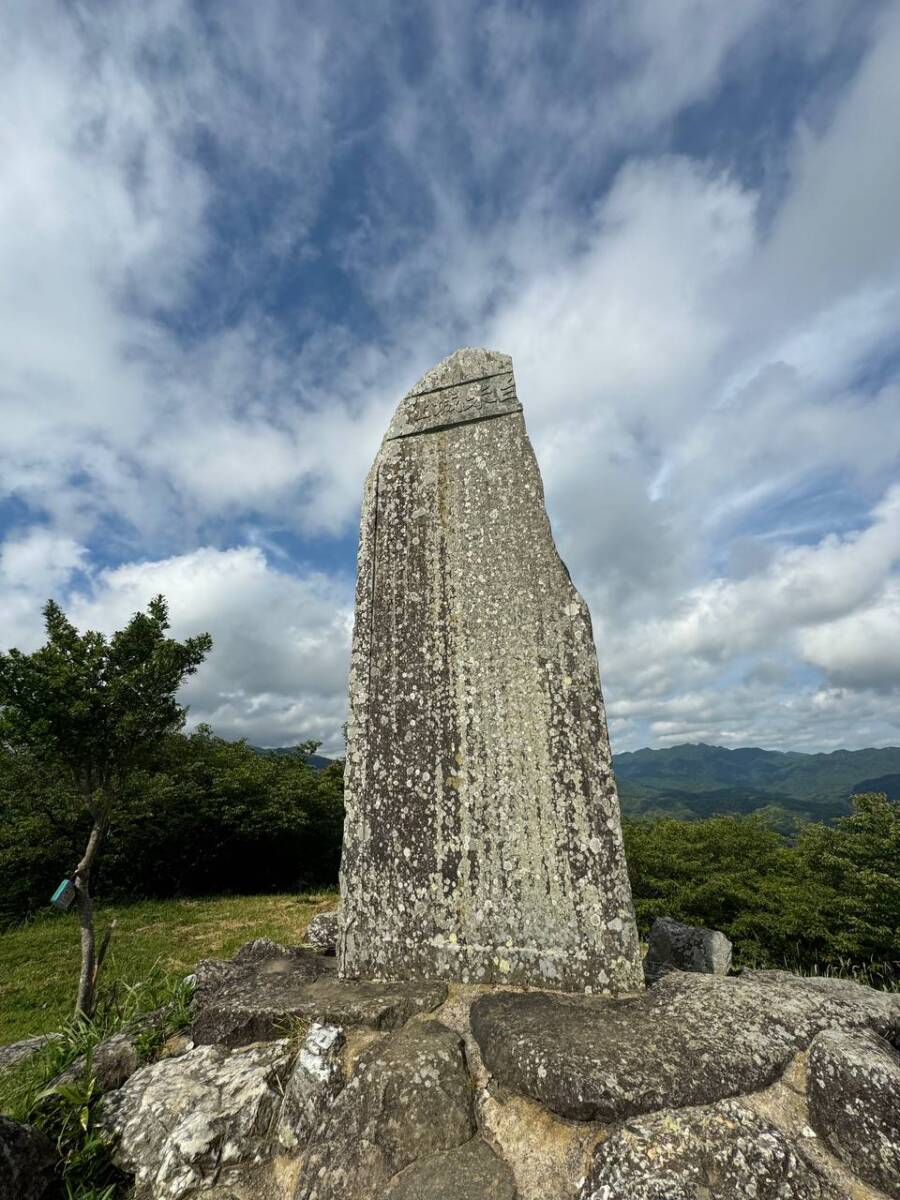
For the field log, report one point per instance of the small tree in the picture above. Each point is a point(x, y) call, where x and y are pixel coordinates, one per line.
point(99, 708)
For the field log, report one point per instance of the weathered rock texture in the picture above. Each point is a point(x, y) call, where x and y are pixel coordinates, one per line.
point(188, 1122)
point(27, 1162)
point(322, 932)
point(471, 1172)
point(690, 1039)
point(17, 1052)
point(721, 1152)
point(482, 840)
point(409, 1098)
point(758, 1087)
point(676, 947)
point(316, 1078)
point(261, 993)
point(854, 1102)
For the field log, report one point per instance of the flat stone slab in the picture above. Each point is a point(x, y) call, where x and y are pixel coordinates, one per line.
point(257, 1000)
point(691, 1039)
point(720, 1152)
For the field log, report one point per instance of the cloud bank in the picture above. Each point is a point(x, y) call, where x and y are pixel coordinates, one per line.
point(231, 238)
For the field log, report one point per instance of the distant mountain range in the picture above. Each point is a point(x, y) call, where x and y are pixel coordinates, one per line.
point(696, 781)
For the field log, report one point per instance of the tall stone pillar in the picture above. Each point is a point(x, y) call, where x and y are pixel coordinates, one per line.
point(482, 840)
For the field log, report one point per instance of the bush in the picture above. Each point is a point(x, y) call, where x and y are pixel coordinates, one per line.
point(213, 817)
point(830, 898)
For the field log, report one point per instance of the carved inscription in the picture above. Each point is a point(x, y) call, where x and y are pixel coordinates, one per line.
point(481, 398)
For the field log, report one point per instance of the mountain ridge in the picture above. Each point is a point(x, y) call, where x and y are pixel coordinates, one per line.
point(695, 779)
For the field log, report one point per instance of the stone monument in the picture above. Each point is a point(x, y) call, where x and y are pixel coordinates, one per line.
point(482, 840)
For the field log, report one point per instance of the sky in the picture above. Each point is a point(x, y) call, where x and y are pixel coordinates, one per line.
point(233, 235)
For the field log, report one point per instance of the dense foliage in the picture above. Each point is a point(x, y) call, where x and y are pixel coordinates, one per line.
point(211, 817)
point(94, 711)
point(219, 817)
point(829, 897)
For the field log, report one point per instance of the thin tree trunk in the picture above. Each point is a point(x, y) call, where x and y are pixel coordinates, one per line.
point(84, 1005)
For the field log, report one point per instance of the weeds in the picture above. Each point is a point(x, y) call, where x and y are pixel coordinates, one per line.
point(67, 1109)
point(883, 976)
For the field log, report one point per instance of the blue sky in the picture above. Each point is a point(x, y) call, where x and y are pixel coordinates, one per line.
point(233, 235)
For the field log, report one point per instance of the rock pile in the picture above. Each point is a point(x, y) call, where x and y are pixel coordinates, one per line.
point(764, 1085)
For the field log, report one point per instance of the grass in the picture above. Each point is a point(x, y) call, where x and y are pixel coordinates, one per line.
point(39, 959)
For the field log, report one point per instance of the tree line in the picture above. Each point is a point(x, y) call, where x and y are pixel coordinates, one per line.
point(92, 754)
point(215, 817)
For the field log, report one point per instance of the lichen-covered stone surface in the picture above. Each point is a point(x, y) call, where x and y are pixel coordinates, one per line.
point(470, 1172)
point(27, 1162)
point(690, 1039)
point(482, 840)
point(408, 1098)
point(763, 1086)
point(322, 932)
point(854, 1103)
point(113, 1061)
point(676, 947)
point(316, 1078)
point(188, 1122)
point(259, 995)
point(720, 1152)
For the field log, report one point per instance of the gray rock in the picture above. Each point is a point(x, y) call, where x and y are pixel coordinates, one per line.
point(676, 947)
point(691, 1039)
point(188, 1122)
point(409, 1097)
point(27, 1162)
point(316, 1078)
point(854, 1103)
point(470, 1172)
point(482, 839)
point(720, 1152)
point(113, 1062)
point(17, 1052)
point(322, 932)
point(261, 999)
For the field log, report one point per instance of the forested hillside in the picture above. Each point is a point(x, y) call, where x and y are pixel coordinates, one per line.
point(696, 781)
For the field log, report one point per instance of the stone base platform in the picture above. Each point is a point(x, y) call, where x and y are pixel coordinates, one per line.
point(295, 1085)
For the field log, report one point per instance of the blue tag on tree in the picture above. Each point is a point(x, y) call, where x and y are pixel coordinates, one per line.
point(64, 894)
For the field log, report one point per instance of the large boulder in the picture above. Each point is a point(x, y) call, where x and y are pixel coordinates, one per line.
point(185, 1123)
point(28, 1162)
point(470, 1172)
point(409, 1097)
point(691, 1039)
point(259, 996)
point(676, 947)
point(719, 1152)
point(854, 1103)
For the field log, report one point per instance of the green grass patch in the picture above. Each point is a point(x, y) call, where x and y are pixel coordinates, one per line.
point(165, 938)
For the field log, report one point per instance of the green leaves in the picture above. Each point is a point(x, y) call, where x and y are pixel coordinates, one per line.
point(830, 898)
point(98, 707)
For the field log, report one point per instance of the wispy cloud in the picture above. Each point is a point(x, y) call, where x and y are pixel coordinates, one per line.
point(230, 238)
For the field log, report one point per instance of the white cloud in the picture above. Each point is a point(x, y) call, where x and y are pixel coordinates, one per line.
point(278, 668)
point(695, 350)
